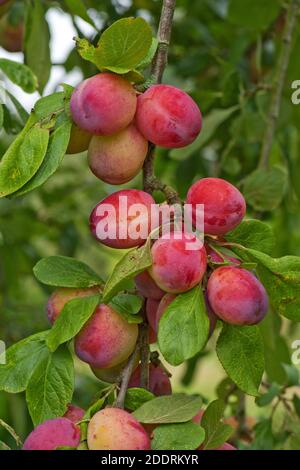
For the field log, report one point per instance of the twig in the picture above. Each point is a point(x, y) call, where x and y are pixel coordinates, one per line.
point(150, 183)
point(163, 36)
point(126, 374)
point(279, 81)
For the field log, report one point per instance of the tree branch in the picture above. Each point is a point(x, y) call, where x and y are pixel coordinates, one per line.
point(150, 183)
point(279, 81)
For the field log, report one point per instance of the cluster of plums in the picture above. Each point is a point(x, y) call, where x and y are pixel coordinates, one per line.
point(116, 125)
point(109, 429)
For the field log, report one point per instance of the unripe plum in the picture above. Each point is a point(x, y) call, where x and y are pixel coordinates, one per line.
point(116, 429)
point(106, 340)
point(63, 295)
point(74, 413)
point(113, 374)
point(159, 382)
point(118, 158)
point(53, 433)
point(124, 219)
point(104, 104)
point(179, 262)
point(11, 35)
point(168, 117)
point(237, 296)
point(79, 140)
point(224, 205)
point(147, 287)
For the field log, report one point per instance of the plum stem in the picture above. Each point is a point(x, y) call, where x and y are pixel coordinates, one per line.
point(279, 82)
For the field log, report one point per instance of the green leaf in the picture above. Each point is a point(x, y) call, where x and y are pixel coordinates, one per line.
point(177, 408)
point(122, 46)
point(210, 124)
point(128, 306)
point(72, 318)
point(48, 105)
point(240, 351)
point(183, 436)
point(264, 439)
point(78, 8)
point(132, 264)
point(292, 375)
point(253, 14)
point(281, 278)
point(22, 159)
point(216, 432)
point(136, 397)
point(265, 189)
point(269, 396)
point(62, 271)
point(37, 33)
point(253, 234)
point(149, 57)
point(21, 360)
point(184, 327)
point(58, 144)
point(19, 74)
point(51, 386)
point(19, 108)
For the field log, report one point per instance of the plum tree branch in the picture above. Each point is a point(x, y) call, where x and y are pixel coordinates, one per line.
point(150, 184)
point(150, 181)
point(279, 81)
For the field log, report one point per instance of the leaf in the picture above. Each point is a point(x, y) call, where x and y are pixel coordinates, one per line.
point(132, 264)
point(122, 46)
point(136, 397)
point(210, 125)
point(58, 144)
point(72, 318)
point(269, 396)
point(50, 388)
point(241, 353)
point(22, 159)
point(37, 33)
point(253, 14)
point(176, 408)
point(253, 234)
point(19, 74)
point(292, 375)
point(62, 271)
point(48, 105)
point(265, 189)
point(183, 436)
point(184, 327)
point(128, 306)
point(264, 439)
point(149, 57)
point(21, 360)
point(281, 278)
point(78, 8)
point(216, 432)
point(296, 403)
point(19, 108)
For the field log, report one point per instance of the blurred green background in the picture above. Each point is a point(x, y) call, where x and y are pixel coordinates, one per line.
point(224, 53)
